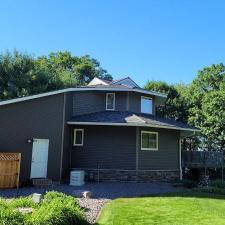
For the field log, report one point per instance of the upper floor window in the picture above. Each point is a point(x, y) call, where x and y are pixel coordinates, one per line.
point(110, 101)
point(78, 138)
point(146, 105)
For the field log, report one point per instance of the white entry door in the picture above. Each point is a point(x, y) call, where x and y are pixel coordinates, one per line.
point(39, 162)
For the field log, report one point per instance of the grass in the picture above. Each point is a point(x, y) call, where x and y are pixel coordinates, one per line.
point(171, 209)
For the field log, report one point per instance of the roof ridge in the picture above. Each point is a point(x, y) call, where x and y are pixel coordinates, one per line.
point(114, 81)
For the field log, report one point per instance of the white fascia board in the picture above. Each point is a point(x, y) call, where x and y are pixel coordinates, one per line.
point(32, 97)
point(129, 125)
point(77, 89)
point(95, 81)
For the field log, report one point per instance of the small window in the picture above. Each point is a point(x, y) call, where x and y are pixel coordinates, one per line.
point(78, 138)
point(149, 140)
point(110, 101)
point(146, 105)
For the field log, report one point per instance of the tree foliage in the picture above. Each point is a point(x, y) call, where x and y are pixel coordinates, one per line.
point(201, 104)
point(22, 75)
point(206, 98)
point(175, 106)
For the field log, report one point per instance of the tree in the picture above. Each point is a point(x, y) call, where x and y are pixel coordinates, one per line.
point(207, 106)
point(176, 106)
point(18, 76)
point(66, 70)
point(22, 75)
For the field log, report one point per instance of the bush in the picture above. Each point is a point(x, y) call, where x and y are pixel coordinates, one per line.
point(55, 209)
point(212, 190)
point(9, 216)
point(190, 183)
point(217, 184)
point(192, 174)
point(22, 202)
point(51, 195)
point(58, 209)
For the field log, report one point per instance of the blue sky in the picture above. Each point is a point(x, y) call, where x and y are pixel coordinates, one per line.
point(153, 39)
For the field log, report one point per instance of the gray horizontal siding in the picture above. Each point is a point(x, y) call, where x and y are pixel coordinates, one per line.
point(106, 148)
point(135, 102)
point(38, 118)
point(167, 156)
point(95, 101)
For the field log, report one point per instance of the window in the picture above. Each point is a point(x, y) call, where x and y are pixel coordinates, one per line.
point(78, 137)
point(146, 105)
point(149, 140)
point(110, 101)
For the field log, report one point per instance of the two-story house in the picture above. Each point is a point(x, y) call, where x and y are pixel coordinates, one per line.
point(108, 129)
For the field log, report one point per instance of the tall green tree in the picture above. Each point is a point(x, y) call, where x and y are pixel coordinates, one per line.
point(201, 104)
point(175, 106)
point(206, 98)
point(67, 70)
point(22, 75)
point(19, 76)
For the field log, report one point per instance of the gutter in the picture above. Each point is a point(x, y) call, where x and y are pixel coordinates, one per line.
point(80, 89)
point(129, 125)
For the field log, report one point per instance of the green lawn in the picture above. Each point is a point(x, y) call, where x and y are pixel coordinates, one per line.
point(173, 209)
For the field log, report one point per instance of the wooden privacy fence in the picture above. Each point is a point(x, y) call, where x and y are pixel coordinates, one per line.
point(9, 170)
point(202, 159)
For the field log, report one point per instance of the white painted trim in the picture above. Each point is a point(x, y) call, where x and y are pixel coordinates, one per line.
point(96, 81)
point(157, 141)
point(169, 170)
point(36, 140)
point(149, 98)
point(106, 100)
point(129, 125)
point(180, 160)
point(75, 135)
point(15, 100)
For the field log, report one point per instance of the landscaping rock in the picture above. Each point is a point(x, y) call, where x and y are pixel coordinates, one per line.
point(25, 210)
point(86, 194)
point(37, 198)
point(92, 207)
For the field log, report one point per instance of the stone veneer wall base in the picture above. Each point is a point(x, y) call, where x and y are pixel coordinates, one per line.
point(113, 175)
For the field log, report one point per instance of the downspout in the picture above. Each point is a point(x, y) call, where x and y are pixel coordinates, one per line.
point(180, 160)
point(62, 136)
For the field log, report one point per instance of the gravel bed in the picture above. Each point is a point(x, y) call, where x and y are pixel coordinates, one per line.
point(101, 193)
point(92, 207)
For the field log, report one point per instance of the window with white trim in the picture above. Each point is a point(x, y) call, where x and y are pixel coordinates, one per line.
point(78, 137)
point(149, 140)
point(146, 105)
point(110, 101)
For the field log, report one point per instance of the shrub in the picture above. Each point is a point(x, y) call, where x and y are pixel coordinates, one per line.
point(22, 202)
point(59, 211)
point(217, 184)
point(190, 183)
point(9, 216)
point(55, 209)
point(51, 195)
point(212, 190)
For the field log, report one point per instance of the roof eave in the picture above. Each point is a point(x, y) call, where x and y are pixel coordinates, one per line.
point(131, 125)
point(21, 99)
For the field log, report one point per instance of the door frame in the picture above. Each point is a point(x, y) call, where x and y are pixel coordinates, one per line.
point(34, 140)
